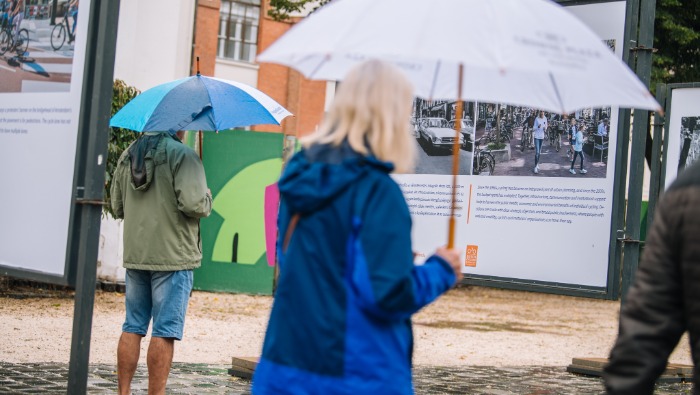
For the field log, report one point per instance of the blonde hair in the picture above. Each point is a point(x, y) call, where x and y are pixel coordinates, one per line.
point(372, 110)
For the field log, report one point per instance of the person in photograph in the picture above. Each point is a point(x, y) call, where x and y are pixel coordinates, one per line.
point(16, 16)
point(160, 191)
point(539, 129)
point(529, 121)
point(578, 148)
point(73, 12)
point(348, 285)
point(5, 8)
point(603, 127)
point(572, 130)
point(664, 299)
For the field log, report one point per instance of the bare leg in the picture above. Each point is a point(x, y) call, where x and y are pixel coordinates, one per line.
point(127, 358)
point(160, 358)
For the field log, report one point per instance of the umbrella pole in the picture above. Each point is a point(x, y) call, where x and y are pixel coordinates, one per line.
point(455, 159)
point(199, 143)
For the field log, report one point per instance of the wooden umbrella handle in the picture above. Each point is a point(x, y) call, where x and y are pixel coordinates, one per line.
point(455, 160)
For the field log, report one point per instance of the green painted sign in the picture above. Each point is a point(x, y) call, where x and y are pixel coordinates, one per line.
point(240, 167)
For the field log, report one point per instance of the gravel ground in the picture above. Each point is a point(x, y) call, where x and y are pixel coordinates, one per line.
point(470, 326)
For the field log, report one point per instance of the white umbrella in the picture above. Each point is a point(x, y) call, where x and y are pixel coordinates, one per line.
point(523, 52)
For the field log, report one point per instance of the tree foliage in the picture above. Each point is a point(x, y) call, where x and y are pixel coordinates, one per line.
point(281, 9)
point(119, 139)
point(677, 38)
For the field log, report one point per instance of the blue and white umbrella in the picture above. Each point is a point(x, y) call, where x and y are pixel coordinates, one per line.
point(198, 103)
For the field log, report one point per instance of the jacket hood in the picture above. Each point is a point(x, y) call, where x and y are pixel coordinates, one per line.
point(141, 157)
point(318, 174)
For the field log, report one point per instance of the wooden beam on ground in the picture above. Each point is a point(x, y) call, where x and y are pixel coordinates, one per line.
point(675, 373)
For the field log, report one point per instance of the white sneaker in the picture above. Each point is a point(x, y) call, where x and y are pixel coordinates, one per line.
point(537, 170)
point(572, 171)
point(583, 171)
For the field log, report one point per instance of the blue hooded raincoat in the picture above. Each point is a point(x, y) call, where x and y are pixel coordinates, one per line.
point(340, 322)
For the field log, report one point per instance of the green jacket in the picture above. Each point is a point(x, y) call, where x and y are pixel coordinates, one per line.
point(161, 217)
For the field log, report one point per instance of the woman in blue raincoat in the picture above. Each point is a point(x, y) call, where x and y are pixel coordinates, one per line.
point(341, 319)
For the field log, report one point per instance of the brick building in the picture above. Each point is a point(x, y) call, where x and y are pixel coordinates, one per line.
point(228, 35)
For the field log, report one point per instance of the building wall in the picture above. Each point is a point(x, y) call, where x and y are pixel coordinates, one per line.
point(206, 31)
point(206, 44)
point(246, 73)
point(304, 98)
point(154, 41)
point(307, 100)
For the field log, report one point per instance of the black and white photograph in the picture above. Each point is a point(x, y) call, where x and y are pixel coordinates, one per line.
point(524, 141)
point(37, 41)
point(690, 141)
point(433, 125)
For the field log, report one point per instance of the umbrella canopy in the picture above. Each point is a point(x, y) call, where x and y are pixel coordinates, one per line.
point(198, 103)
point(523, 52)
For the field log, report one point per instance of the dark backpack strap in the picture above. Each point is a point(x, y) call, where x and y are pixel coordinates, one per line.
point(290, 230)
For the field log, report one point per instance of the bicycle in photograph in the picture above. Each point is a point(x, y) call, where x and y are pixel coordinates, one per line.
point(60, 32)
point(9, 42)
point(483, 162)
point(506, 129)
point(492, 134)
point(554, 133)
point(525, 138)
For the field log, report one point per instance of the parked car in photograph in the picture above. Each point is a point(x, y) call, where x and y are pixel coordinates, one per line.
point(436, 134)
point(467, 130)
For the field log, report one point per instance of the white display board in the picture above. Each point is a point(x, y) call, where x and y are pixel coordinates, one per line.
point(40, 97)
point(683, 131)
point(551, 227)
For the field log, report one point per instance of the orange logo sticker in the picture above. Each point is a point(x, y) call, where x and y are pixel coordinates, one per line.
point(472, 252)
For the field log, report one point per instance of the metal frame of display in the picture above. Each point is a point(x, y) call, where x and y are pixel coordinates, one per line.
point(664, 97)
point(659, 153)
point(80, 268)
point(91, 159)
point(626, 214)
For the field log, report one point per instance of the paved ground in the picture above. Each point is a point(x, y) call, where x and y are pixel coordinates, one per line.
point(214, 379)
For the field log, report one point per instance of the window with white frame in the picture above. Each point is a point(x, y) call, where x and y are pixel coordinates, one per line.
point(238, 29)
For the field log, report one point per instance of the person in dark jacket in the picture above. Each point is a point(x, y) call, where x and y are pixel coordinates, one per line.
point(664, 300)
point(348, 285)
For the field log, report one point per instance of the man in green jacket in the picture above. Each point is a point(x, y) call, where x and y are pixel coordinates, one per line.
point(160, 190)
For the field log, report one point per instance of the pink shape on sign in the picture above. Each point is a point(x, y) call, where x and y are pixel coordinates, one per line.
point(272, 201)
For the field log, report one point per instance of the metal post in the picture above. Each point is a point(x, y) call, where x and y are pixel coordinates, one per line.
point(621, 155)
point(641, 124)
point(655, 170)
point(89, 180)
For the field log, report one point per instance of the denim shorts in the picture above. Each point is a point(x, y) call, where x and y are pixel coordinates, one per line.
point(162, 296)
